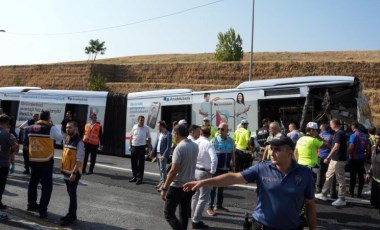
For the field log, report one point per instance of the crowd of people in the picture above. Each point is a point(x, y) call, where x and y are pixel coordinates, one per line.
point(196, 163)
point(301, 165)
point(38, 150)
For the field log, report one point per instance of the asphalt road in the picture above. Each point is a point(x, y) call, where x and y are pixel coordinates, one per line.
point(106, 200)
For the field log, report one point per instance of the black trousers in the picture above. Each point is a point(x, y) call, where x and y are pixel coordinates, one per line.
point(72, 191)
point(242, 160)
point(321, 177)
point(40, 174)
point(25, 154)
point(356, 167)
point(93, 150)
point(138, 161)
point(177, 197)
point(3, 180)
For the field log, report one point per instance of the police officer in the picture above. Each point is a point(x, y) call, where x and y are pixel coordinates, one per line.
point(262, 134)
point(242, 138)
point(71, 168)
point(284, 186)
point(41, 152)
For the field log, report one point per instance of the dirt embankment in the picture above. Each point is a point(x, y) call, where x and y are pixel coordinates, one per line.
point(195, 75)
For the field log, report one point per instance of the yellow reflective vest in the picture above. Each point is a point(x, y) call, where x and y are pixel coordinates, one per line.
point(69, 156)
point(41, 146)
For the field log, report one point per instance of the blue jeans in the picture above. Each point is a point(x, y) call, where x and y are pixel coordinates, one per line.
point(72, 191)
point(218, 191)
point(162, 167)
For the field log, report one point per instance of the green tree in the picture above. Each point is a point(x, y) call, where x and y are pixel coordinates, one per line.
point(95, 47)
point(229, 47)
point(97, 83)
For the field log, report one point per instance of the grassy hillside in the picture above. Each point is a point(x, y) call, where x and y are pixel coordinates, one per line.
point(200, 72)
point(328, 56)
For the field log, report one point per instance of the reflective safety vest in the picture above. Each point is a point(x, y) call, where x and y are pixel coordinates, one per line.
point(69, 156)
point(41, 146)
point(241, 138)
point(91, 136)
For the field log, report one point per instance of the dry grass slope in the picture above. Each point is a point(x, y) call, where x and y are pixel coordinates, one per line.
point(200, 72)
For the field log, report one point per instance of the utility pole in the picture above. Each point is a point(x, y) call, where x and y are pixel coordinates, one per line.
point(253, 26)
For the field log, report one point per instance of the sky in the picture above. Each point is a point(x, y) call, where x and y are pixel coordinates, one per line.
point(50, 31)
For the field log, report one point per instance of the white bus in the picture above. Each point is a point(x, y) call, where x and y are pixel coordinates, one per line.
point(286, 100)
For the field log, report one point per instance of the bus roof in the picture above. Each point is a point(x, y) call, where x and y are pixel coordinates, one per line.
point(164, 92)
point(307, 81)
point(69, 92)
point(17, 89)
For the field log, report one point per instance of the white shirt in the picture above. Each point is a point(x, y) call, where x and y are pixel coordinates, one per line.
point(191, 138)
point(139, 135)
point(207, 158)
point(159, 143)
point(56, 134)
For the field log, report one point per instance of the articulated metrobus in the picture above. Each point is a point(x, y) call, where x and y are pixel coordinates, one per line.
point(286, 100)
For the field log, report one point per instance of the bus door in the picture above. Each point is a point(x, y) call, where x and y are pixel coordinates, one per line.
point(284, 110)
point(79, 115)
point(172, 113)
point(223, 111)
point(11, 108)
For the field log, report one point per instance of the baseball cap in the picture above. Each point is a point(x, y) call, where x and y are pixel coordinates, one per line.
point(244, 122)
point(312, 125)
point(182, 122)
point(280, 140)
point(206, 119)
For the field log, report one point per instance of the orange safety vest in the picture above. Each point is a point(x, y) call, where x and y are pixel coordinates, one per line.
point(41, 146)
point(91, 136)
point(69, 156)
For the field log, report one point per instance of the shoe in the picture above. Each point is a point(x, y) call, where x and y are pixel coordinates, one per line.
point(368, 192)
point(138, 182)
point(321, 196)
point(210, 212)
point(90, 172)
point(43, 215)
point(68, 221)
point(33, 208)
point(339, 202)
point(159, 184)
point(199, 225)
point(67, 217)
point(2, 206)
point(133, 179)
point(26, 172)
point(3, 216)
point(221, 208)
point(63, 218)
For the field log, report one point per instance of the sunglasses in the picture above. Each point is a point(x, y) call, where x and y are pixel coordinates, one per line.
point(221, 129)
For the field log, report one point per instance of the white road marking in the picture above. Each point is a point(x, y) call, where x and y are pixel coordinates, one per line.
point(157, 174)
